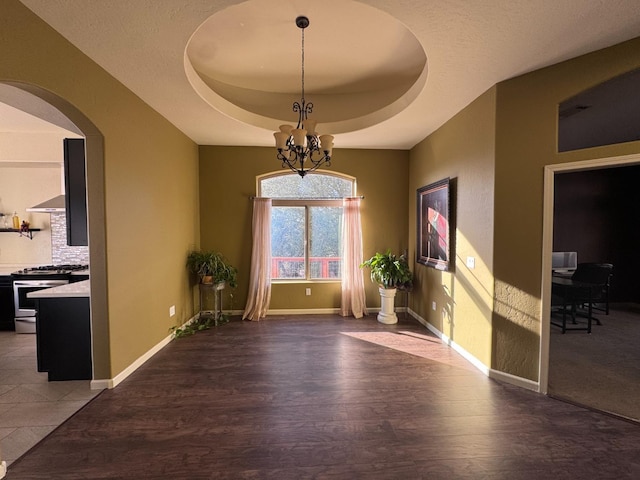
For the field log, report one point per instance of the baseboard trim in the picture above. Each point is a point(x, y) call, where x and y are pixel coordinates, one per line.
point(514, 380)
point(303, 311)
point(490, 372)
point(314, 311)
point(324, 311)
point(101, 384)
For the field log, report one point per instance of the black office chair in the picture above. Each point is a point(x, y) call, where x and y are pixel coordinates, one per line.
point(597, 274)
point(591, 287)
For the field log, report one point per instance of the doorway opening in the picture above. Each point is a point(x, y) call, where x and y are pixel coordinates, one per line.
point(594, 369)
point(53, 109)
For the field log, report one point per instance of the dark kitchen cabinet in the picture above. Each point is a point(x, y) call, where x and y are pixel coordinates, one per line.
point(78, 278)
point(63, 338)
point(6, 303)
point(75, 192)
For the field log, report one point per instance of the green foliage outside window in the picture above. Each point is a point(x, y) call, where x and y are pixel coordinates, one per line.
point(306, 228)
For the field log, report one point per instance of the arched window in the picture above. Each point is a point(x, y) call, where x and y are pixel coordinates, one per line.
point(306, 220)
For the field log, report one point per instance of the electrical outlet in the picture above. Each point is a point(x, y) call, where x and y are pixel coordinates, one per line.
point(172, 310)
point(471, 262)
point(433, 306)
point(308, 292)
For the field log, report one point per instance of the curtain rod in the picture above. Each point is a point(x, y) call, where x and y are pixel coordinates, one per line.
point(252, 197)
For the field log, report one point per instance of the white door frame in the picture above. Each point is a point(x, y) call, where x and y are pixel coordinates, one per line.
point(547, 247)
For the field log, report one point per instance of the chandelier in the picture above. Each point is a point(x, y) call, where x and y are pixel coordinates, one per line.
point(301, 148)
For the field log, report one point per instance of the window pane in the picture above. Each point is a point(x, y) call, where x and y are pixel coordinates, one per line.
point(324, 240)
point(311, 186)
point(287, 242)
point(305, 237)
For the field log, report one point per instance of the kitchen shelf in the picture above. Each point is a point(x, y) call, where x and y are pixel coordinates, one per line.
point(28, 233)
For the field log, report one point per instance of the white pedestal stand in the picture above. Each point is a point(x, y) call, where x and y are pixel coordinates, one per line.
point(387, 313)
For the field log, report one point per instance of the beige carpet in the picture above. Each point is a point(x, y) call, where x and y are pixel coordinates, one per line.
point(600, 370)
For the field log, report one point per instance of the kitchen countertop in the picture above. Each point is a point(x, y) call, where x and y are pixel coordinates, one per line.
point(9, 269)
point(77, 289)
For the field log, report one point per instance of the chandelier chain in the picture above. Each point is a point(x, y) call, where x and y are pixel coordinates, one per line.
point(301, 148)
point(302, 66)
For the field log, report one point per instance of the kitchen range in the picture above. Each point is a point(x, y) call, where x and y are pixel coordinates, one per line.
point(38, 278)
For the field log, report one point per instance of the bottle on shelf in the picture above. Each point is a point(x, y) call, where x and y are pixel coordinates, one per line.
point(16, 221)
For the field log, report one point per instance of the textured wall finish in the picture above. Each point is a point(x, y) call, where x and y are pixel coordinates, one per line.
point(381, 177)
point(526, 141)
point(142, 189)
point(459, 303)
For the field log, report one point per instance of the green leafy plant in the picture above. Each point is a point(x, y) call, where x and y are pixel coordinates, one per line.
point(389, 271)
point(212, 267)
point(203, 322)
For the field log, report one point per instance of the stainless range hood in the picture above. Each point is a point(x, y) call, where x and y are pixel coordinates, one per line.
point(55, 204)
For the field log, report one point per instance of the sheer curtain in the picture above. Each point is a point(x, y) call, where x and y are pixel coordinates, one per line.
point(260, 278)
point(353, 298)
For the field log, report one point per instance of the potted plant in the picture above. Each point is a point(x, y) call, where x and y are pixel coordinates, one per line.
point(212, 267)
point(214, 273)
point(390, 272)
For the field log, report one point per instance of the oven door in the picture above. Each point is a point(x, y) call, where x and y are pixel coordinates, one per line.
point(25, 308)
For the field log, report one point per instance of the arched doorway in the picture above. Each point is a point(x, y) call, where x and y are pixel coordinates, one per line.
point(40, 102)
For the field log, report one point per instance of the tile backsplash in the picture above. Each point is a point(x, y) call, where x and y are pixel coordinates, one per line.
point(61, 253)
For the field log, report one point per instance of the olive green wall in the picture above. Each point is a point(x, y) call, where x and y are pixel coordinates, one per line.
point(464, 150)
point(495, 151)
point(526, 129)
point(228, 179)
point(143, 201)
point(145, 213)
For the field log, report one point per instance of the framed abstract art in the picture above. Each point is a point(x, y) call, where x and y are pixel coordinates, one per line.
point(433, 208)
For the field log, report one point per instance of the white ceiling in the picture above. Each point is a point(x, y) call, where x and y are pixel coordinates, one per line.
point(470, 45)
point(14, 120)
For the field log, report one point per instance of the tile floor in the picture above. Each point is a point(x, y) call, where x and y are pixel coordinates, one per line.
point(30, 406)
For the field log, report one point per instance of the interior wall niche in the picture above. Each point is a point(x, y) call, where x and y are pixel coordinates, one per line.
point(606, 114)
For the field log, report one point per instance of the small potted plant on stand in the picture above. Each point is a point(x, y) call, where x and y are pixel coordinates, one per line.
point(212, 268)
point(214, 273)
point(390, 273)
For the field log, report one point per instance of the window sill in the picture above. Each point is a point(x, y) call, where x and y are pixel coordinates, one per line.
point(298, 281)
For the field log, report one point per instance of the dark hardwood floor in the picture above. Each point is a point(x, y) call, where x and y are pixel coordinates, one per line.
point(324, 397)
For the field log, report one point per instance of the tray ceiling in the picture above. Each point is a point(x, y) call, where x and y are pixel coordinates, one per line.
point(467, 47)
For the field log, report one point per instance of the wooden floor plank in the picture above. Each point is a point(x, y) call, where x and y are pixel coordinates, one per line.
point(325, 397)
